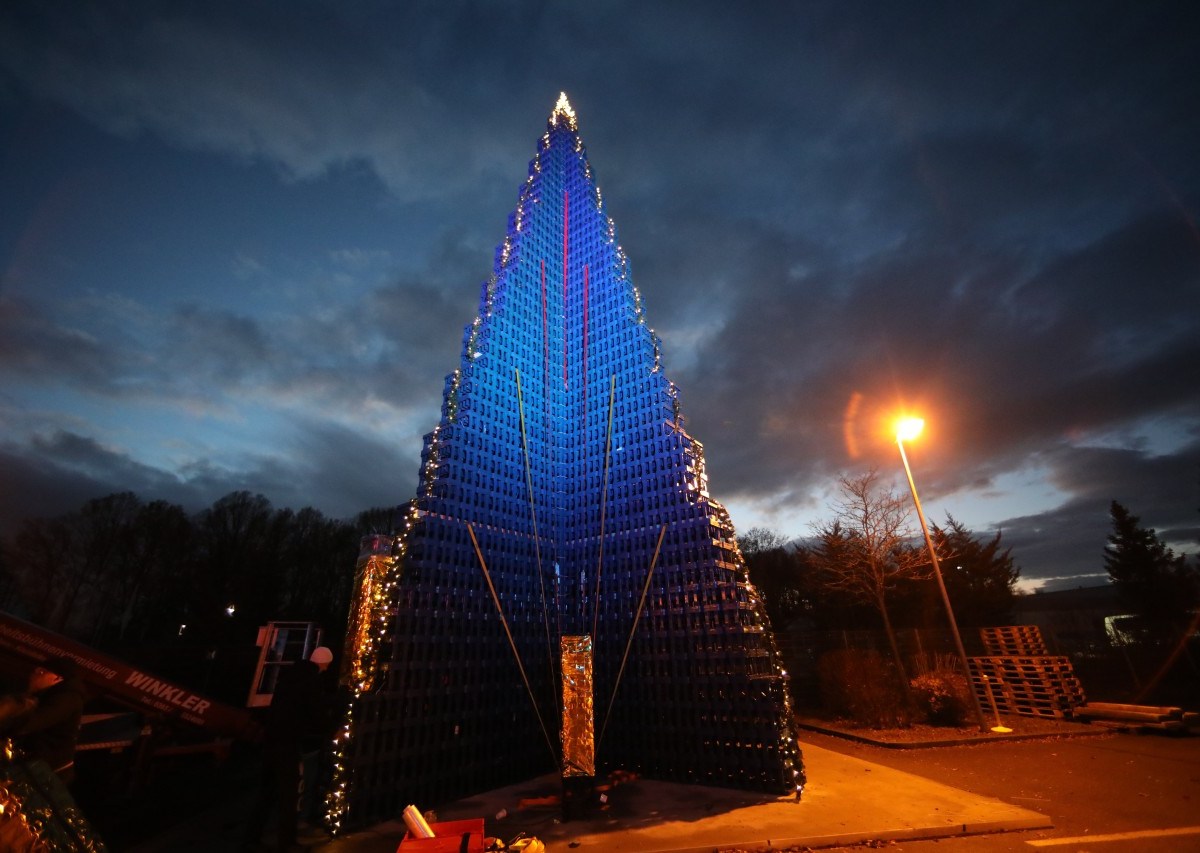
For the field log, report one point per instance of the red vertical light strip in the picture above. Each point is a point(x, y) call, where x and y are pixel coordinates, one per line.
point(585, 342)
point(566, 245)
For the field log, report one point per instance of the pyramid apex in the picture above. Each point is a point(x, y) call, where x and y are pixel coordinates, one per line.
point(563, 113)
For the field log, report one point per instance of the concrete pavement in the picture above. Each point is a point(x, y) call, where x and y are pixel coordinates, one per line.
point(848, 800)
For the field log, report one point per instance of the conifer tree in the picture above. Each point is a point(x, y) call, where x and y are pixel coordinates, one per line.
point(980, 576)
point(1151, 580)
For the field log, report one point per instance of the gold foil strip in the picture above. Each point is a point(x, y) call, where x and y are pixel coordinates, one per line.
point(578, 744)
point(359, 662)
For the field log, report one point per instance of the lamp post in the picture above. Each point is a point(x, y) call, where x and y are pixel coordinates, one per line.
point(910, 428)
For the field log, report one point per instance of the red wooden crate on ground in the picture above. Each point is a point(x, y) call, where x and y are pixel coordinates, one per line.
point(448, 835)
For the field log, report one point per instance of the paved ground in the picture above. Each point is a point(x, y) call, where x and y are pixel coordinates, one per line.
point(1108, 793)
point(849, 800)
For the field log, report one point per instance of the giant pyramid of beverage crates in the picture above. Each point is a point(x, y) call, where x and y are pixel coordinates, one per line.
point(560, 495)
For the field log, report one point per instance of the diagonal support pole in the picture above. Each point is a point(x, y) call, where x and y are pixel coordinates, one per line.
point(512, 644)
point(632, 630)
point(537, 545)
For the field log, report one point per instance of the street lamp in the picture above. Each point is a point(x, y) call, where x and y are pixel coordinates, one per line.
point(906, 430)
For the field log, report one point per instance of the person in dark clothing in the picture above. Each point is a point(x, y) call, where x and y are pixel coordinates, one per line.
point(299, 721)
point(47, 724)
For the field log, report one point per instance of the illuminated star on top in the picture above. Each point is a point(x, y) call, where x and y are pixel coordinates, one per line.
point(563, 109)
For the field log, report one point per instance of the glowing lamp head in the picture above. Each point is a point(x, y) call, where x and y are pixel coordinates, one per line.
point(909, 428)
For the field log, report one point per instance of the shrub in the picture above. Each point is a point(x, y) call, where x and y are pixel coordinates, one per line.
point(941, 695)
point(858, 684)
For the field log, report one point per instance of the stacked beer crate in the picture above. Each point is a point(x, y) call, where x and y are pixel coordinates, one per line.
point(1020, 675)
point(560, 494)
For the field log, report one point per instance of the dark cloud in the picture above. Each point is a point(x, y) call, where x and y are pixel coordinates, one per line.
point(346, 472)
point(229, 349)
point(1012, 365)
point(57, 473)
point(34, 487)
point(1163, 489)
point(985, 210)
point(33, 342)
point(322, 464)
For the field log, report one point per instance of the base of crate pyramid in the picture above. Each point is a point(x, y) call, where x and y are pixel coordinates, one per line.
point(559, 494)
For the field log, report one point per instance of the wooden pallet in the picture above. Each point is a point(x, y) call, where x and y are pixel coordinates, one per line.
point(1013, 640)
point(1032, 686)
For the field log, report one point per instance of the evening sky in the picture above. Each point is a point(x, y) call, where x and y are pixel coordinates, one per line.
point(239, 243)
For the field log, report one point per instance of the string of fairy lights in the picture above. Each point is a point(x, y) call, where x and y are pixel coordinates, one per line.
point(788, 745)
point(371, 617)
point(369, 625)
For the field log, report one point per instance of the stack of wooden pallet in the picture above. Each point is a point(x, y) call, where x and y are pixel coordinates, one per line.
point(1013, 640)
point(1021, 677)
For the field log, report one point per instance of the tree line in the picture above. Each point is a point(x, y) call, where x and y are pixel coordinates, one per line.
point(867, 567)
point(157, 586)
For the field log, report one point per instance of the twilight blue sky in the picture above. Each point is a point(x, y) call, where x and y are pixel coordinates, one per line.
point(239, 242)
